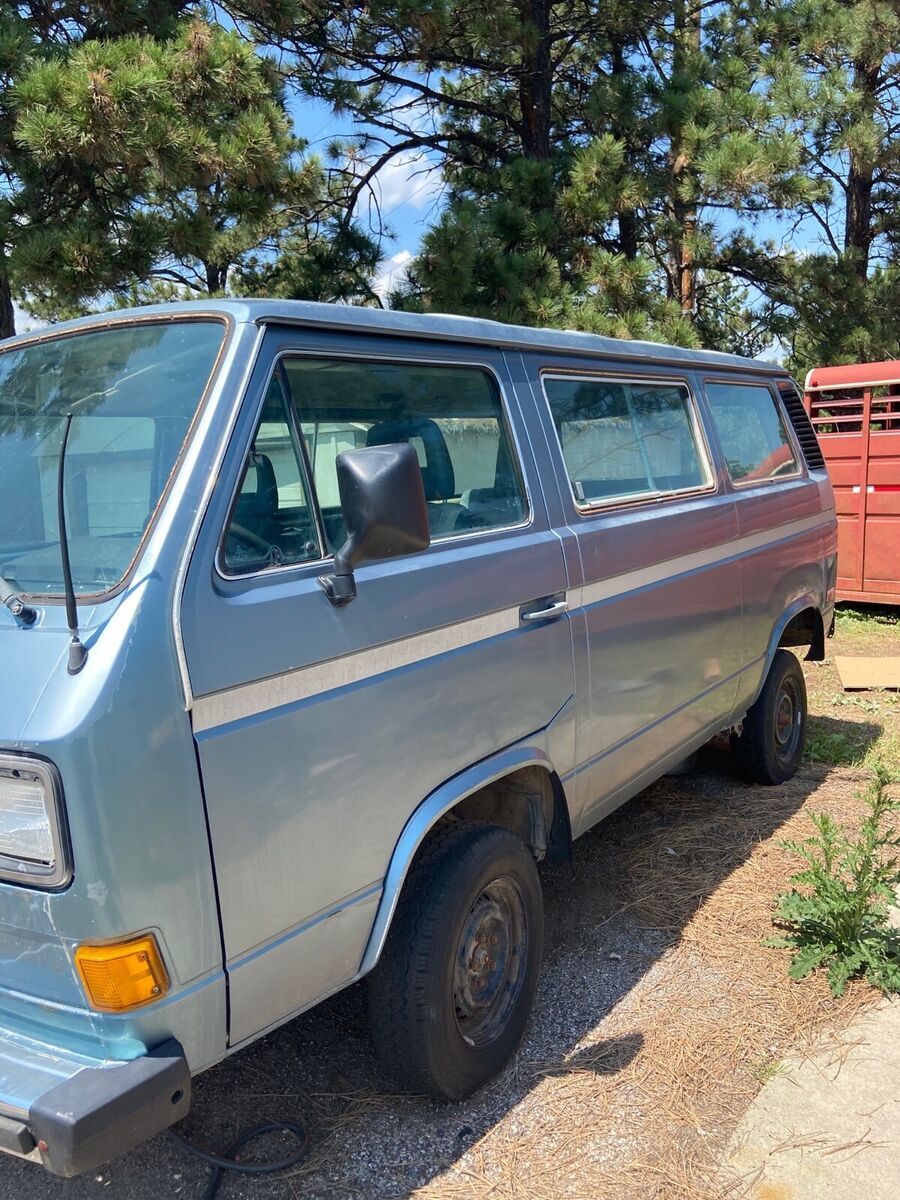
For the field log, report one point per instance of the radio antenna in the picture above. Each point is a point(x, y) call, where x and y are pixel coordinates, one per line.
point(77, 651)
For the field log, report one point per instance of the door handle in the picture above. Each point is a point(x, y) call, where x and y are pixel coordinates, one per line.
point(557, 609)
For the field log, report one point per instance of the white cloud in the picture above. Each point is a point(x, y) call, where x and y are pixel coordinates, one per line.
point(408, 179)
point(411, 179)
point(392, 273)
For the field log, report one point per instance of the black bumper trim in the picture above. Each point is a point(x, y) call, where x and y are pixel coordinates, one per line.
point(15, 1137)
point(103, 1111)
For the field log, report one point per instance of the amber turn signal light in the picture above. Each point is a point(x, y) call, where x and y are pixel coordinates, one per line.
point(124, 975)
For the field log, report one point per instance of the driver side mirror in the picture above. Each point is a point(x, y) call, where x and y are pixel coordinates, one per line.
point(384, 509)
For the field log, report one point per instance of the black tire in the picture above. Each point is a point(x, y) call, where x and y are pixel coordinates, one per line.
point(443, 1021)
point(771, 743)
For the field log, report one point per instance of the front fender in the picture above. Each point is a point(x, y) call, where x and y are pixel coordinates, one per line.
point(429, 812)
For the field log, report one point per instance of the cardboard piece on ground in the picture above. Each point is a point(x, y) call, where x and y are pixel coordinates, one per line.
point(864, 673)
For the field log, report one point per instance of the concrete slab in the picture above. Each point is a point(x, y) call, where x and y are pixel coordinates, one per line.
point(826, 1127)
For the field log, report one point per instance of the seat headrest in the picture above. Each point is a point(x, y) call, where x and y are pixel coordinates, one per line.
point(438, 478)
point(263, 500)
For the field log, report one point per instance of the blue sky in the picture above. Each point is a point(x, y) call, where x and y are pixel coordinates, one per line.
point(409, 197)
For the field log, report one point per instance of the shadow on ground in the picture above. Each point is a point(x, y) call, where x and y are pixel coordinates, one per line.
point(610, 917)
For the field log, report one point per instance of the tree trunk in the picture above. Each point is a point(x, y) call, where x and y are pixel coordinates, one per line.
point(7, 312)
point(216, 278)
point(535, 81)
point(687, 34)
point(858, 230)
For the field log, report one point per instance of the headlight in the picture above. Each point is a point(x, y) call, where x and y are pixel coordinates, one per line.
point(33, 845)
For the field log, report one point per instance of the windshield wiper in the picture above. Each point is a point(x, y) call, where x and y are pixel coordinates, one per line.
point(13, 601)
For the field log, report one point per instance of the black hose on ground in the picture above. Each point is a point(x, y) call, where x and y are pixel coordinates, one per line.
point(231, 1160)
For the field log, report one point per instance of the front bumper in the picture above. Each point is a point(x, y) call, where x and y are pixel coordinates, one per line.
point(85, 1111)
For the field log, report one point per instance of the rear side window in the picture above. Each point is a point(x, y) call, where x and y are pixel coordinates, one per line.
point(626, 440)
point(751, 431)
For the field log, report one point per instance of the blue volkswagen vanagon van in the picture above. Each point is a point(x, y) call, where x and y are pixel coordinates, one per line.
point(321, 627)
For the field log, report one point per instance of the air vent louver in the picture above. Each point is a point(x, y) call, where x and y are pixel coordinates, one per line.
point(806, 435)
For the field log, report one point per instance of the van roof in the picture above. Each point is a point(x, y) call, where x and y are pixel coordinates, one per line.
point(436, 326)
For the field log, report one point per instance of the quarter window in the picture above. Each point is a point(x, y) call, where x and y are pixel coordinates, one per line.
point(272, 522)
point(752, 434)
point(623, 440)
point(451, 416)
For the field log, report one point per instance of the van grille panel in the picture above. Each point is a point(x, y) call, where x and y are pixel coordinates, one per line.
point(806, 435)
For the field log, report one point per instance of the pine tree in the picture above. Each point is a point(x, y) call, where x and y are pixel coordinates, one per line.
point(30, 35)
point(596, 155)
point(194, 174)
point(837, 73)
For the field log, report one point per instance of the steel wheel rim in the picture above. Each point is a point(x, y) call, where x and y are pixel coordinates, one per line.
point(788, 716)
point(490, 962)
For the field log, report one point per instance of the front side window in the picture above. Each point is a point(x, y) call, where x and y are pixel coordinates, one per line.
point(133, 391)
point(625, 440)
point(451, 416)
point(752, 434)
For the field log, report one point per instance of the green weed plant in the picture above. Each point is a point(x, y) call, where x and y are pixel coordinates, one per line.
point(836, 917)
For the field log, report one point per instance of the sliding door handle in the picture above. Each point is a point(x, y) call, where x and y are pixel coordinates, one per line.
point(557, 609)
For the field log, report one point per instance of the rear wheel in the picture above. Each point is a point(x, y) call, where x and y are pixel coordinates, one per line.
point(770, 746)
point(450, 998)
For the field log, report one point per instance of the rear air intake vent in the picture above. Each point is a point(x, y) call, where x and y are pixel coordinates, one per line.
point(806, 435)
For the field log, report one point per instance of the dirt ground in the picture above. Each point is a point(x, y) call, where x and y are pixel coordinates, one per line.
point(659, 1015)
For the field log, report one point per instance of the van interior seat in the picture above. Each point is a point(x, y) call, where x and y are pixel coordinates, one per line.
point(438, 477)
point(257, 508)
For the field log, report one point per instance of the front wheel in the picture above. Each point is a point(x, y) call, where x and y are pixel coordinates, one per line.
point(771, 743)
point(451, 996)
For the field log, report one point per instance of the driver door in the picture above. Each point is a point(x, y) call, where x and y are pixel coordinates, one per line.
point(319, 729)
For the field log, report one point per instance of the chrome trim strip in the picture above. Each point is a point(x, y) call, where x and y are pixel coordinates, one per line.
point(215, 467)
point(631, 581)
point(421, 821)
point(250, 699)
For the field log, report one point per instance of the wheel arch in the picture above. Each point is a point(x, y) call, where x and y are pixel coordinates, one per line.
point(458, 794)
point(801, 624)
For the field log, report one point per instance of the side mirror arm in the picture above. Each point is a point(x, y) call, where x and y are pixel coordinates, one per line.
point(340, 588)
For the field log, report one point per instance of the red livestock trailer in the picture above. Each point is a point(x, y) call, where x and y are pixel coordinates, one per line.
point(855, 411)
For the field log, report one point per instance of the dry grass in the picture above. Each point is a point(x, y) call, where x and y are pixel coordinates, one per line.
point(855, 728)
point(710, 1019)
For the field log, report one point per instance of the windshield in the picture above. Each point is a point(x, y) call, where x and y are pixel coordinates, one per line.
point(133, 391)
